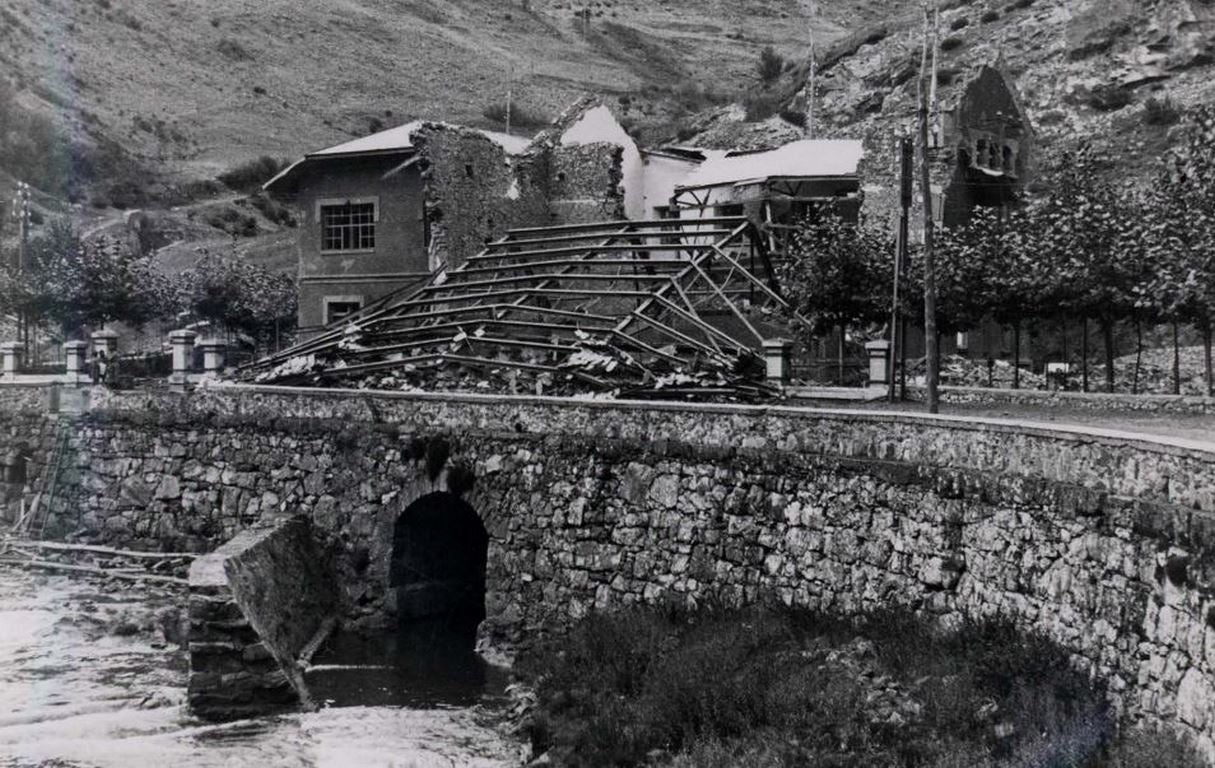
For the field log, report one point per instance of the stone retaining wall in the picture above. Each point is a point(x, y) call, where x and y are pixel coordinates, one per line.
point(254, 604)
point(1087, 401)
point(23, 397)
point(1103, 540)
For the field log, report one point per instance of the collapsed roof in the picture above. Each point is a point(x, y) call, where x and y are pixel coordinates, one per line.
point(674, 308)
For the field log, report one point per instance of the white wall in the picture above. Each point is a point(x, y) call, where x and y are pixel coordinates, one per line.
point(599, 125)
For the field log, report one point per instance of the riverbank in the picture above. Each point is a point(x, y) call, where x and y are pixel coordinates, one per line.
point(776, 688)
point(92, 675)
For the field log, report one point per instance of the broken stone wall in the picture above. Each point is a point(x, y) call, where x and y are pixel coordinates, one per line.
point(473, 193)
point(584, 183)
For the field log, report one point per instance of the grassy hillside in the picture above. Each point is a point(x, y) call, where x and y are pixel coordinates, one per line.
point(189, 90)
point(119, 104)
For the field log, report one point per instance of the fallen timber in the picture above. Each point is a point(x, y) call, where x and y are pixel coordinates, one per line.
point(671, 308)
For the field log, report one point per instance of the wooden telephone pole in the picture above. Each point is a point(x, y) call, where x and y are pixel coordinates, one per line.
point(927, 89)
point(811, 18)
point(21, 212)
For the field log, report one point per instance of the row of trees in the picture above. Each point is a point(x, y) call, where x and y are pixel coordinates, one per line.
point(1087, 251)
point(64, 282)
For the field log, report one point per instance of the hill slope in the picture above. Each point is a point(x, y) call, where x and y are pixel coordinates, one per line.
point(190, 89)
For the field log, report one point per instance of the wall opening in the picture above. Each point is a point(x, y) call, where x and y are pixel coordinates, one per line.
point(438, 570)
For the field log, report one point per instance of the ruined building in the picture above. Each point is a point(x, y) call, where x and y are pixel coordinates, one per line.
point(380, 213)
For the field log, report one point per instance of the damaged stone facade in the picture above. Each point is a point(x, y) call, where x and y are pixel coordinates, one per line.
point(475, 191)
point(439, 193)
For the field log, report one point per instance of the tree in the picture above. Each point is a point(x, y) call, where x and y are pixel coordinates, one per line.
point(238, 296)
point(75, 285)
point(837, 273)
point(1087, 238)
point(1182, 233)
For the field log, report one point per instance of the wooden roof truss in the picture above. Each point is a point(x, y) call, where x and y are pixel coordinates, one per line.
point(610, 305)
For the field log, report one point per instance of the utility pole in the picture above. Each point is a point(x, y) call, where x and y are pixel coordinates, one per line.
point(898, 332)
point(812, 74)
point(931, 359)
point(21, 212)
point(510, 88)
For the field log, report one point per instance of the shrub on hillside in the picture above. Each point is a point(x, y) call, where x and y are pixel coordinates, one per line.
point(777, 687)
point(771, 64)
point(1109, 98)
point(520, 116)
point(1160, 111)
point(761, 106)
point(273, 210)
point(252, 174)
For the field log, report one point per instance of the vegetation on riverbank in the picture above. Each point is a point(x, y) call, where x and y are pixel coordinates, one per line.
point(778, 687)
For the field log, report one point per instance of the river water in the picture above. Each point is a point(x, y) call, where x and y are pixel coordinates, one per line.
point(90, 676)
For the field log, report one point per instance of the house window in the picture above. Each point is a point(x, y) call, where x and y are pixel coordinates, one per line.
point(348, 226)
point(338, 308)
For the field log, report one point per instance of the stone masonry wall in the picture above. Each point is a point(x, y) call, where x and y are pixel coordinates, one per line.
point(1102, 540)
point(1087, 401)
point(467, 173)
point(254, 604)
point(21, 397)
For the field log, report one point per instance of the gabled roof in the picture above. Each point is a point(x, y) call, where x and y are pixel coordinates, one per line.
point(808, 158)
point(398, 140)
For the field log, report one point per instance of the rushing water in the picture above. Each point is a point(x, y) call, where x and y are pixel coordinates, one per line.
point(89, 677)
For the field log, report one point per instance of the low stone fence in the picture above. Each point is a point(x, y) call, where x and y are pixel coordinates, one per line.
point(1083, 401)
point(255, 603)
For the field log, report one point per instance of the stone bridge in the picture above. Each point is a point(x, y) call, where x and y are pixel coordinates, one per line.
point(1102, 540)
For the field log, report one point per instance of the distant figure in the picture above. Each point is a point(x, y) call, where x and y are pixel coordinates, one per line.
point(103, 368)
point(438, 569)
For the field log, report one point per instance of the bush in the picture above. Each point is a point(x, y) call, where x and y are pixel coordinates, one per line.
point(273, 210)
point(952, 43)
point(785, 687)
point(771, 64)
point(252, 174)
point(761, 106)
point(520, 115)
point(233, 51)
point(1109, 98)
point(990, 16)
point(794, 117)
point(1160, 111)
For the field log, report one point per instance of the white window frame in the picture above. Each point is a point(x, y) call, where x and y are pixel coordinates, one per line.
point(327, 301)
point(336, 201)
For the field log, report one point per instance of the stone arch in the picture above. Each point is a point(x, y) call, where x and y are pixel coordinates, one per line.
point(437, 567)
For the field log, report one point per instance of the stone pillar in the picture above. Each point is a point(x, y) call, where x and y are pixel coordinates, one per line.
point(182, 342)
point(105, 343)
point(74, 353)
point(879, 362)
point(777, 353)
point(11, 358)
point(214, 352)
